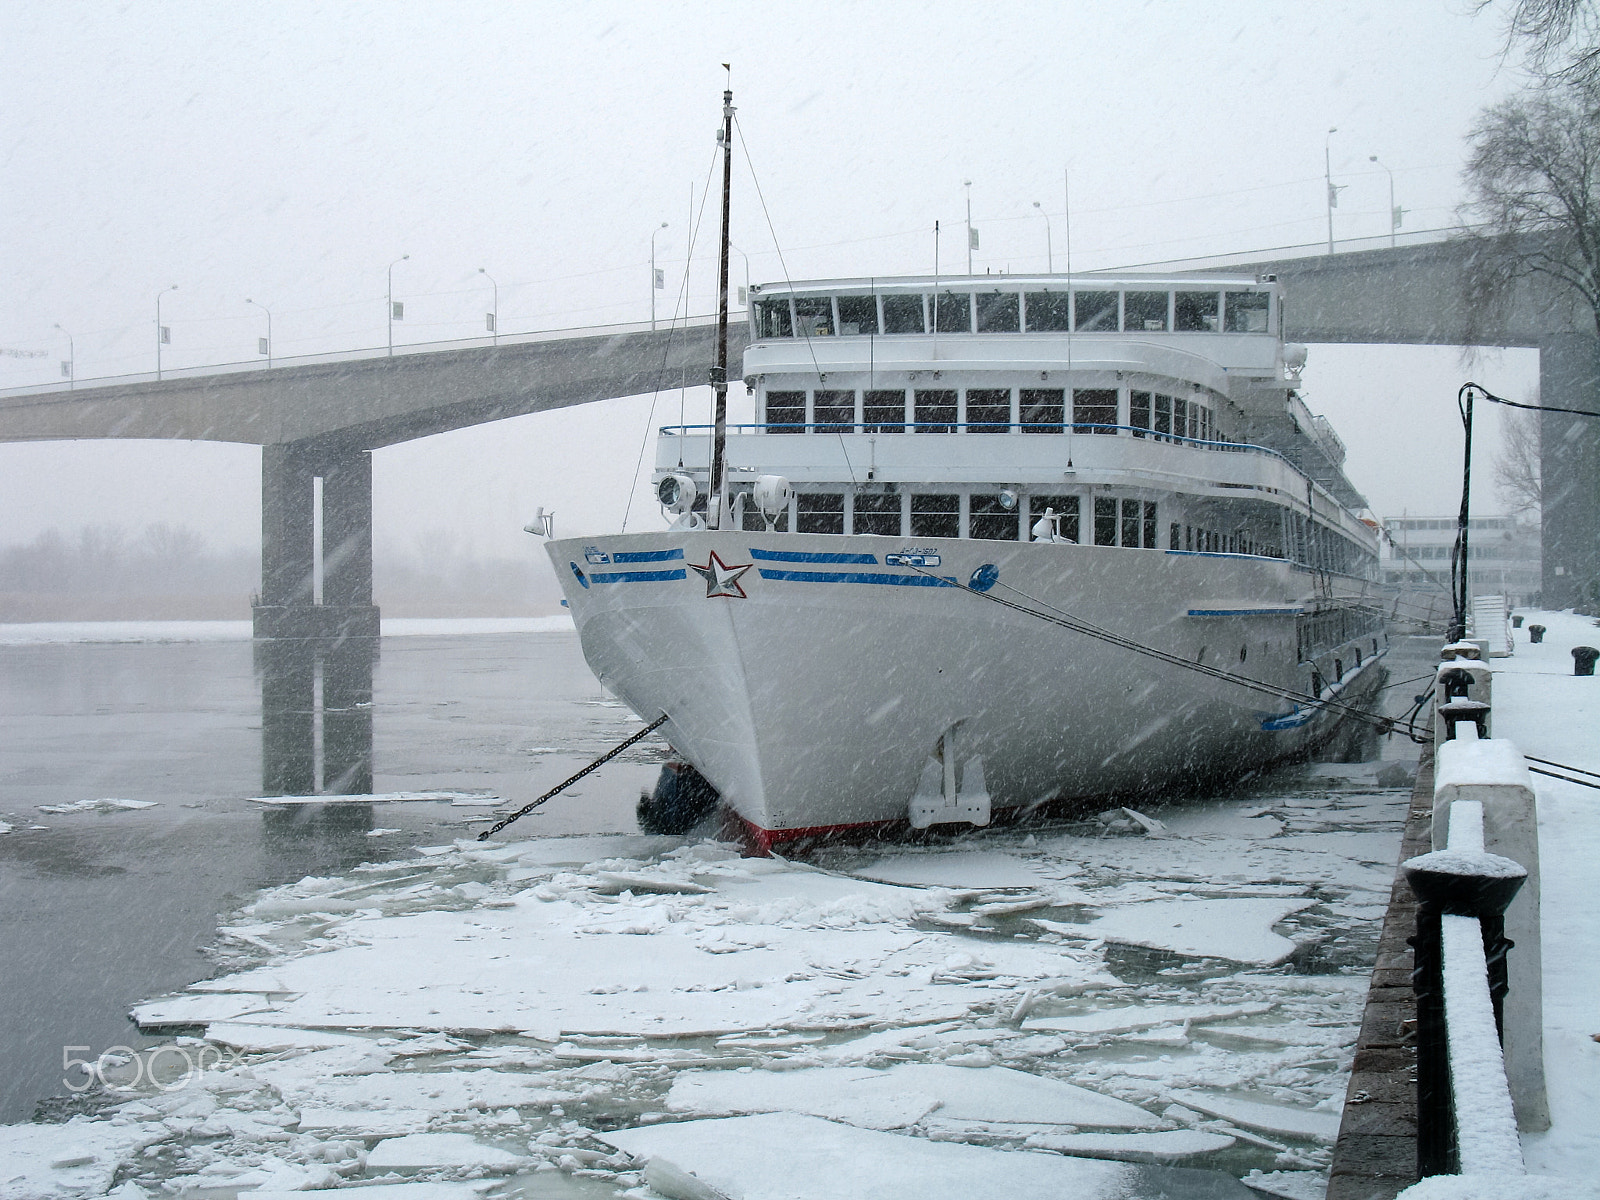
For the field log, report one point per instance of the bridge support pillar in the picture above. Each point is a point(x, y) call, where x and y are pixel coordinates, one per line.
point(1569, 462)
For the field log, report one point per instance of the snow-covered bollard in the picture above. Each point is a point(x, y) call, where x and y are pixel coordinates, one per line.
point(1465, 1122)
point(1461, 679)
point(1583, 658)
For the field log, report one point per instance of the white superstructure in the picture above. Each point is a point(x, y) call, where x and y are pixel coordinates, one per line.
point(1126, 456)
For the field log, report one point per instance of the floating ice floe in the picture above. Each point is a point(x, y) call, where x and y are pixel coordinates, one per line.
point(962, 869)
point(1237, 930)
point(762, 1157)
point(426, 1190)
point(454, 799)
point(77, 1158)
point(1268, 1118)
point(1106, 1021)
point(420, 1151)
point(1164, 1146)
point(101, 806)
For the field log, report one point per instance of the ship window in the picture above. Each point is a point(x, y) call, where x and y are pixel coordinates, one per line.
point(1149, 524)
point(999, 312)
point(1105, 520)
point(772, 319)
point(834, 410)
point(988, 411)
point(1163, 425)
point(883, 412)
point(1095, 311)
point(990, 521)
point(1042, 410)
point(878, 513)
point(1142, 312)
point(1195, 312)
point(936, 411)
point(1246, 312)
point(754, 522)
point(1130, 522)
point(952, 312)
point(1094, 410)
point(1180, 416)
point(786, 412)
point(813, 316)
point(1049, 312)
point(1067, 513)
point(1176, 538)
point(935, 516)
point(1139, 412)
point(819, 513)
point(903, 314)
point(858, 314)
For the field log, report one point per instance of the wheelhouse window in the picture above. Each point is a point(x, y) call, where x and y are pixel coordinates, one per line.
point(1246, 312)
point(988, 411)
point(834, 410)
point(1139, 412)
point(1196, 312)
point(999, 312)
point(883, 412)
point(858, 315)
point(786, 412)
point(877, 513)
point(1049, 312)
point(754, 521)
point(935, 516)
point(903, 314)
point(1095, 312)
point(772, 318)
point(1143, 312)
point(1163, 422)
point(1042, 410)
point(813, 316)
point(1068, 512)
point(1148, 528)
point(952, 312)
point(819, 512)
point(1130, 522)
point(991, 521)
point(1094, 410)
point(1180, 417)
point(1105, 520)
point(935, 410)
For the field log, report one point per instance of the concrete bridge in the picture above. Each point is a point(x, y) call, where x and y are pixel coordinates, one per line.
point(321, 417)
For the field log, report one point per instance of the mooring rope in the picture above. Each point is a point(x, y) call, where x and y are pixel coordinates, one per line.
point(566, 783)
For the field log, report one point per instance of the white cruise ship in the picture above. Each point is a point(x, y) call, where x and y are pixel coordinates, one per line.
point(992, 542)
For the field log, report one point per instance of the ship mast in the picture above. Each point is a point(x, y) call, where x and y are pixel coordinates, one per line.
point(719, 372)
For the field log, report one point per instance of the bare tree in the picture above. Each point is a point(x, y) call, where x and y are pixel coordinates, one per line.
point(1534, 182)
point(1516, 467)
point(1560, 37)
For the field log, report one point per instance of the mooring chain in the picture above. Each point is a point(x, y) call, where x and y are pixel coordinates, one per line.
point(566, 783)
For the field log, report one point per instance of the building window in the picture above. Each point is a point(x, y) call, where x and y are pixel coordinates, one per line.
point(1042, 410)
point(877, 513)
point(858, 315)
point(1094, 312)
point(1094, 410)
point(999, 312)
point(813, 316)
point(772, 319)
point(935, 411)
point(903, 314)
point(1066, 509)
point(817, 512)
point(952, 312)
point(988, 410)
point(1246, 312)
point(786, 412)
point(935, 516)
point(834, 410)
point(1105, 521)
point(1195, 312)
point(883, 412)
point(1139, 412)
point(1049, 312)
point(1144, 312)
point(990, 521)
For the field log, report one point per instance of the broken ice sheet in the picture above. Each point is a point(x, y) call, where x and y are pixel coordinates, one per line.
point(102, 806)
point(1237, 930)
point(962, 869)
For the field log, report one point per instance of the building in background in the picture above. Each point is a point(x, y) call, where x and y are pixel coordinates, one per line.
point(1502, 560)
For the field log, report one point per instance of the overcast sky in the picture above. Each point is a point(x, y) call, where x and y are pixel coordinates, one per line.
point(289, 152)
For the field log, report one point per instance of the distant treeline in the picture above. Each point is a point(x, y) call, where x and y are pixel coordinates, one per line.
point(105, 573)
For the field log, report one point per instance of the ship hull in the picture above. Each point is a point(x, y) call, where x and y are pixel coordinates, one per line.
point(813, 678)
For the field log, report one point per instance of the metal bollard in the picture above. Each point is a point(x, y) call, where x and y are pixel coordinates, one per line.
point(1536, 634)
point(1456, 711)
point(1456, 884)
point(1457, 683)
point(1516, 620)
point(1583, 659)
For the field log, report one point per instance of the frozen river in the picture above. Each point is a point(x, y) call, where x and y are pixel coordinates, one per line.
point(1241, 937)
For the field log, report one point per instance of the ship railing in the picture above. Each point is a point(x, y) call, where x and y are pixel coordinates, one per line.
point(979, 427)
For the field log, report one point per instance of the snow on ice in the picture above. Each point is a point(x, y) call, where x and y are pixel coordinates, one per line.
point(1063, 1012)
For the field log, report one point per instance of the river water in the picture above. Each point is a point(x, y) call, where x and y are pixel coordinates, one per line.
point(100, 909)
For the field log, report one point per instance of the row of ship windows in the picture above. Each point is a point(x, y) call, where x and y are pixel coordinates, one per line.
point(988, 410)
point(1317, 633)
point(955, 311)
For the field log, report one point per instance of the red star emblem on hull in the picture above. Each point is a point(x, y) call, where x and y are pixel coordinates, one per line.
point(721, 579)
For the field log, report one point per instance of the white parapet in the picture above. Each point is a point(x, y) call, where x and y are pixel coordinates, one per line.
point(1492, 774)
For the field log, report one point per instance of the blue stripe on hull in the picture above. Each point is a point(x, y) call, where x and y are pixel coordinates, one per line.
point(857, 577)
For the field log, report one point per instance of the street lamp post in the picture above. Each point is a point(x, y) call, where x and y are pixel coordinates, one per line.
point(392, 266)
point(653, 284)
point(1394, 212)
point(161, 330)
point(268, 311)
point(72, 360)
point(1327, 176)
point(1049, 250)
point(494, 317)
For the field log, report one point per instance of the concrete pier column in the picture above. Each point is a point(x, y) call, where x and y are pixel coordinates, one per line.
point(1569, 467)
point(288, 540)
point(288, 671)
point(347, 530)
point(347, 665)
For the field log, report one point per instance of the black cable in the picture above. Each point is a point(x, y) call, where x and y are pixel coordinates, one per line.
point(1565, 779)
point(1561, 766)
